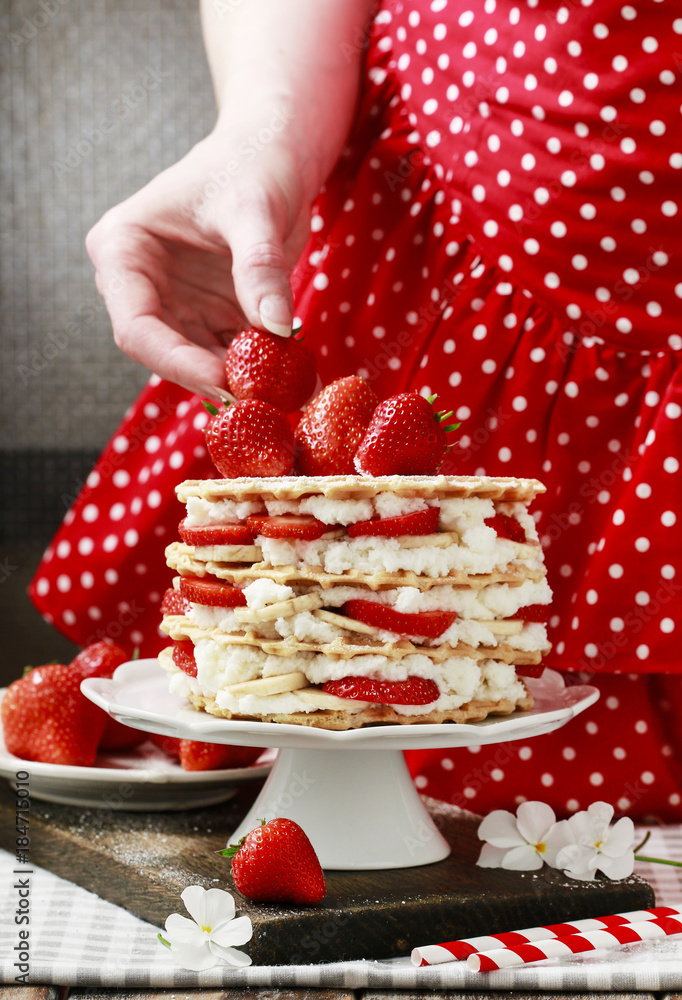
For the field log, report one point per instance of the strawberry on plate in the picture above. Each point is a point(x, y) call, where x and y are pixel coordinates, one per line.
point(419, 522)
point(183, 656)
point(46, 718)
point(413, 691)
point(215, 534)
point(276, 863)
point(427, 623)
point(296, 526)
point(507, 526)
point(100, 659)
point(279, 370)
point(332, 427)
point(198, 756)
point(405, 437)
point(212, 593)
point(250, 438)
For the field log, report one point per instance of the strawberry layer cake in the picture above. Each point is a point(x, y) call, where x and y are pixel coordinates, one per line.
point(345, 601)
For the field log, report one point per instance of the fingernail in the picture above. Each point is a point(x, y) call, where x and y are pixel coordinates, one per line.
point(212, 392)
point(223, 394)
point(274, 315)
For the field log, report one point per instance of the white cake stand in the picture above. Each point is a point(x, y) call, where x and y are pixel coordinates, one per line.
point(350, 791)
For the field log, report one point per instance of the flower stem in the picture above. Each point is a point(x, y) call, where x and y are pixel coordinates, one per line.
point(641, 844)
point(659, 861)
point(163, 941)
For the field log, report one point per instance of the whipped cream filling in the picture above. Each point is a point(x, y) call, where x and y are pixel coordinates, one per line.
point(305, 627)
point(474, 608)
point(201, 511)
point(456, 513)
point(480, 551)
point(459, 679)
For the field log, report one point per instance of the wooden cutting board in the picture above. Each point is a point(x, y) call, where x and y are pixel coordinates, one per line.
point(143, 861)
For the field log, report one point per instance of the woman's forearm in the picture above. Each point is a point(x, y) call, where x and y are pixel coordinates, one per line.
point(296, 59)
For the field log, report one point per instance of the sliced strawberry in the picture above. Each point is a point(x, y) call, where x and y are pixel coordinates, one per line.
point(183, 656)
point(174, 603)
point(301, 526)
point(216, 534)
point(507, 527)
point(413, 691)
point(428, 623)
point(534, 613)
point(420, 522)
point(530, 670)
point(211, 593)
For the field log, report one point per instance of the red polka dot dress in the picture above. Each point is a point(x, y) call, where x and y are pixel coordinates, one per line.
point(503, 229)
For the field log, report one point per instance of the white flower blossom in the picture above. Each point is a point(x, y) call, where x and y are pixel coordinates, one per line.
point(206, 939)
point(593, 845)
point(522, 842)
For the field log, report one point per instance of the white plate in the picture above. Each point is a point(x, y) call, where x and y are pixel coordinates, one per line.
point(361, 810)
point(144, 778)
point(138, 696)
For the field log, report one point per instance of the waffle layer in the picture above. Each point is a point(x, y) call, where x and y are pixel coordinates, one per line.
point(340, 720)
point(182, 559)
point(346, 647)
point(503, 489)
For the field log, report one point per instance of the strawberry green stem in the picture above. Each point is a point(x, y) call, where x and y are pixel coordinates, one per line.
point(210, 408)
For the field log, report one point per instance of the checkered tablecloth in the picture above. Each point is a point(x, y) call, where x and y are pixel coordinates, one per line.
point(78, 939)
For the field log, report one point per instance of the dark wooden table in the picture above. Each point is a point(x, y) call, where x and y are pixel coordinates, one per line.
point(55, 993)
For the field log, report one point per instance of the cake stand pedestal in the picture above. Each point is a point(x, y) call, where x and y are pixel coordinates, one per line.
point(360, 809)
point(350, 791)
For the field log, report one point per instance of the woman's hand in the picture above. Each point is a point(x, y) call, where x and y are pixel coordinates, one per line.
point(206, 248)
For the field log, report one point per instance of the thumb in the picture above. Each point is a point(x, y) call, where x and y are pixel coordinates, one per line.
point(259, 268)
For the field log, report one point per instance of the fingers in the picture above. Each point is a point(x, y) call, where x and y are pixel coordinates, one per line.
point(140, 331)
point(259, 267)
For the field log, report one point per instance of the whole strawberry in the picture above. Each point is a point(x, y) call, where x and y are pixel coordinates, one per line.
point(333, 426)
point(250, 438)
point(100, 659)
point(279, 370)
point(199, 756)
point(405, 437)
point(276, 863)
point(45, 717)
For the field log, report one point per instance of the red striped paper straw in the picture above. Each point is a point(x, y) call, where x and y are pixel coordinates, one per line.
point(451, 951)
point(574, 944)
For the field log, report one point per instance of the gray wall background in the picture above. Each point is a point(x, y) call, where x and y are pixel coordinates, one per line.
point(97, 96)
